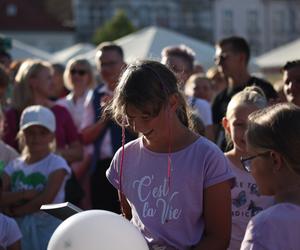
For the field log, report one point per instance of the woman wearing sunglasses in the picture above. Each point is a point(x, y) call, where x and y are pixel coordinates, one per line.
point(273, 141)
point(79, 80)
point(246, 200)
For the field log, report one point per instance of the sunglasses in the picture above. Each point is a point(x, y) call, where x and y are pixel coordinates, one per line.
point(80, 72)
point(246, 161)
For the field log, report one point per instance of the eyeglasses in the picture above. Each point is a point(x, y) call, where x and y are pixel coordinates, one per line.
point(246, 161)
point(80, 72)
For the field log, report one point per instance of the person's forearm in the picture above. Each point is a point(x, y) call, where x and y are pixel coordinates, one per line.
point(72, 153)
point(11, 198)
point(91, 133)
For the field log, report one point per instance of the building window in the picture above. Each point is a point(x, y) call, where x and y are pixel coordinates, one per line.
point(227, 22)
point(252, 22)
point(279, 22)
point(11, 10)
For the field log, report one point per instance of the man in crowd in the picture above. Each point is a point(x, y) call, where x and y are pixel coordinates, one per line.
point(232, 58)
point(104, 134)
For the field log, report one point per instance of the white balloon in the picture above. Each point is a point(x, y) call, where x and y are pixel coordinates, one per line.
point(97, 230)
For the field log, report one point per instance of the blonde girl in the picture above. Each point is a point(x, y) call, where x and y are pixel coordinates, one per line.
point(246, 200)
point(36, 177)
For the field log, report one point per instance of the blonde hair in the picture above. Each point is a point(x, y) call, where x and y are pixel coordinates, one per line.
point(252, 95)
point(249, 96)
point(88, 67)
point(193, 79)
point(277, 128)
point(23, 94)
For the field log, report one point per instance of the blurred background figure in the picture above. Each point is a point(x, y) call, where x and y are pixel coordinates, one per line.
point(80, 81)
point(291, 80)
point(4, 82)
point(104, 134)
point(218, 80)
point(180, 60)
point(199, 86)
point(58, 89)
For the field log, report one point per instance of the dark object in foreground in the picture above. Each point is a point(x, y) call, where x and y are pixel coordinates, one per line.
point(61, 211)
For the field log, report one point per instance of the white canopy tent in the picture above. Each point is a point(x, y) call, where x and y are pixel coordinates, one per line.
point(277, 57)
point(149, 42)
point(63, 56)
point(23, 51)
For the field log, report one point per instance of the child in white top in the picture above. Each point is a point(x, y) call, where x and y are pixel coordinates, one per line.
point(7, 153)
point(273, 143)
point(174, 183)
point(37, 177)
point(10, 235)
point(246, 200)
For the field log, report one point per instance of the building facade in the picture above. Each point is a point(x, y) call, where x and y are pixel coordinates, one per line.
point(266, 24)
point(191, 17)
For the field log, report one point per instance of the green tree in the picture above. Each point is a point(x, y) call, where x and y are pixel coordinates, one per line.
point(118, 26)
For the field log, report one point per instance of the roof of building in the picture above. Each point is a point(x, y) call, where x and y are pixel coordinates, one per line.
point(27, 15)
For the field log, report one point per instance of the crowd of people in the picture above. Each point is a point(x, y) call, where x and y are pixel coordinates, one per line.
point(195, 159)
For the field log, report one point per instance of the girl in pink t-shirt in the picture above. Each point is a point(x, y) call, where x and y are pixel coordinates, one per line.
point(173, 184)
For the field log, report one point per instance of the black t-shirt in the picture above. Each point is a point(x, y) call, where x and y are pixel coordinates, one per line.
point(221, 101)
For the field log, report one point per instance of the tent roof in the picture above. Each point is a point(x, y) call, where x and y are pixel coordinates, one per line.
point(149, 42)
point(23, 51)
point(277, 57)
point(64, 55)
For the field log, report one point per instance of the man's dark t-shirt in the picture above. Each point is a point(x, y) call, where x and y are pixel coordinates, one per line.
point(221, 101)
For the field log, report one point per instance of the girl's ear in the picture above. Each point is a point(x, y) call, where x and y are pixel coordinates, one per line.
point(277, 161)
point(173, 102)
point(225, 124)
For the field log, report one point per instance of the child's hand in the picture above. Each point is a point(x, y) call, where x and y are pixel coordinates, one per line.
point(30, 194)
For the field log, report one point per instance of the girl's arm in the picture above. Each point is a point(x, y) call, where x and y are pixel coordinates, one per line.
point(217, 217)
point(15, 246)
point(125, 207)
point(55, 180)
point(12, 198)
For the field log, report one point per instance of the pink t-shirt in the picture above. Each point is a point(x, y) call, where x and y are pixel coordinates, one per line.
point(169, 218)
point(65, 133)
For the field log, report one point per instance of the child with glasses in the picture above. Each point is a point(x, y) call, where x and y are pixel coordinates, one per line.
point(246, 200)
point(273, 137)
point(174, 183)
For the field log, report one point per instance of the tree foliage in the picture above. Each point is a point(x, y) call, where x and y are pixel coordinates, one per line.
point(118, 26)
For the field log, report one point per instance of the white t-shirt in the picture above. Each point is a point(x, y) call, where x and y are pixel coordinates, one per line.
point(276, 228)
point(203, 108)
point(76, 109)
point(25, 176)
point(246, 203)
point(7, 153)
point(9, 231)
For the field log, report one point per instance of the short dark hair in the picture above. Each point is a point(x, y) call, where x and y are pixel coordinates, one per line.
point(59, 67)
point(4, 77)
point(237, 44)
point(4, 53)
point(182, 51)
point(291, 64)
point(105, 46)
